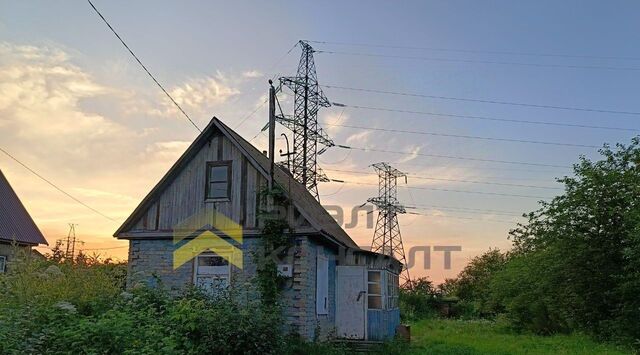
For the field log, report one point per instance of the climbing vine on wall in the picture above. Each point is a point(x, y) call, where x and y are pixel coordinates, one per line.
point(276, 235)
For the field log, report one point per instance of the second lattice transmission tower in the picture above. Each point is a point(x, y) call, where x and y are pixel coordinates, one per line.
point(308, 98)
point(386, 237)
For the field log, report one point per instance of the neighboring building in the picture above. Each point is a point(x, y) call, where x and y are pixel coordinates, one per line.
point(18, 232)
point(334, 288)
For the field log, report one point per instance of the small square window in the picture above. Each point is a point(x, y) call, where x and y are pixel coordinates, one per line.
point(218, 180)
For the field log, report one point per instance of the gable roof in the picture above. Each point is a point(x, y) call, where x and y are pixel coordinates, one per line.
point(306, 204)
point(15, 222)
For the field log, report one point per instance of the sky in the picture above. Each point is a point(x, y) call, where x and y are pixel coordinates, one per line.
point(77, 108)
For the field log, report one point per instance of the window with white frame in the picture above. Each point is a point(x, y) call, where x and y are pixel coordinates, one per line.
point(374, 290)
point(392, 290)
point(3, 264)
point(212, 273)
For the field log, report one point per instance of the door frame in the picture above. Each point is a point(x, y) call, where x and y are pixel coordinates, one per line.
point(365, 305)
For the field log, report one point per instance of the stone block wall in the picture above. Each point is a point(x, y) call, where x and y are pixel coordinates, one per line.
point(151, 262)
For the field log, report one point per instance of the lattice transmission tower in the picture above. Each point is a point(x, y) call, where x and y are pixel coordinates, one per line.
point(386, 237)
point(308, 98)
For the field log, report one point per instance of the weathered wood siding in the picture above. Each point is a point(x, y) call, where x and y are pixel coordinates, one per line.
point(185, 195)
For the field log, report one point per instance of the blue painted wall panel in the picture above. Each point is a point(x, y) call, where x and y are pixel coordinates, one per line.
point(381, 324)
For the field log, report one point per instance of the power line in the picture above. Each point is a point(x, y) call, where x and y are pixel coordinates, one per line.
point(55, 186)
point(478, 51)
point(482, 167)
point(453, 180)
point(454, 60)
point(144, 67)
point(251, 114)
point(448, 115)
point(447, 190)
point(635, 113)
point(454, 157)
point(467, 218)
point(272, 78)
point(465, 136)
point(487, 211)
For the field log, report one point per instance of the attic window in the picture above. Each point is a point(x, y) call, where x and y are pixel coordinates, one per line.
point(218, 180)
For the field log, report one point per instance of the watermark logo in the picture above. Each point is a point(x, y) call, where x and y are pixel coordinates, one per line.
point(207, 231)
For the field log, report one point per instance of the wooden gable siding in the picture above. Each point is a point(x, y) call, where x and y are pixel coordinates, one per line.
point(184, 197)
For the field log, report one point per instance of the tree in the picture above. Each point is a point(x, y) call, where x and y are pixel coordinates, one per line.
point(582, 251)
point(472, 285)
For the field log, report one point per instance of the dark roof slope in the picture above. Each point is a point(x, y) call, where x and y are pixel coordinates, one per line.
point(317, 216)
point(15, 222)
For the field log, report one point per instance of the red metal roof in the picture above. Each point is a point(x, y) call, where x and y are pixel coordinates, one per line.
point(15, 222)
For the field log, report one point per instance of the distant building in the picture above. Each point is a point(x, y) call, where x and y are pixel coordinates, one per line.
point(18, 231)
point(333, 288)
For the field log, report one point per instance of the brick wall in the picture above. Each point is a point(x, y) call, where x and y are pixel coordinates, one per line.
point(151, 262)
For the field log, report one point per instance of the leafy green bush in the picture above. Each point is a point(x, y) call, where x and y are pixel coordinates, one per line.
point(59, 308)
point(418, 300)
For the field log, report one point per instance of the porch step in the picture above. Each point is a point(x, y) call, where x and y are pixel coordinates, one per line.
point(359, 346)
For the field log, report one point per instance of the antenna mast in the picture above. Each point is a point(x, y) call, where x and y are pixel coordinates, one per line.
point(386, 237)
point(308, 98)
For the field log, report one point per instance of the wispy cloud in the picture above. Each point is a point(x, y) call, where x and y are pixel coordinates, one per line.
point(413, 154)
point(252, 74)
point(360, 138)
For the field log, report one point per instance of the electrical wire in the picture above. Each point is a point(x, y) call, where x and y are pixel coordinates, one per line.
point(449, 190)
point(144, 67)
point(446, 115)
point(467, 218)
point(56, 186)
point(452, 180)
point(487, 211)
point(498, 102)
point(465, 136)
point(477, 61)
point(454, 157)
point(477, 51)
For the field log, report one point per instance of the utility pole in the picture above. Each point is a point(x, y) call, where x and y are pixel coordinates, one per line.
point(308, 98)
point(386, 237)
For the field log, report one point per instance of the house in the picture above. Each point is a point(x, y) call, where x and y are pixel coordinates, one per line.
point(335, 289)
point(18, 232)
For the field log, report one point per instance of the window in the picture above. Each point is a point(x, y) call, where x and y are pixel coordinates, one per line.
point(322, 285)
point(392, 290)
point(374, 289)
point(3, 263)
point(212, 273)
point(218, 180)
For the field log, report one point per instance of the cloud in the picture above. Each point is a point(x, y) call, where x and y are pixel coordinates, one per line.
point(413, 154)
point(41, 94)
point(335, 118)
point(197, 96)
point(251, 74)
point(360, 138)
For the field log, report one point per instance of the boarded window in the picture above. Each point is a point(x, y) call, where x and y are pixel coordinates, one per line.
point(3, 263)
point(322, 285)
point(374, 290)
point(218, 180)
point(212, 273)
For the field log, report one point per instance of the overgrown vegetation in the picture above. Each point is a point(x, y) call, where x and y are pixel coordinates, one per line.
point(484, 337)
point(575, 265)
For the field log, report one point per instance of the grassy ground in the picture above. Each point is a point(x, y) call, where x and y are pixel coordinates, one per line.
point(438, 336)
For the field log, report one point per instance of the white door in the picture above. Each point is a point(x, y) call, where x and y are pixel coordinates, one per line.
point(351, 298)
